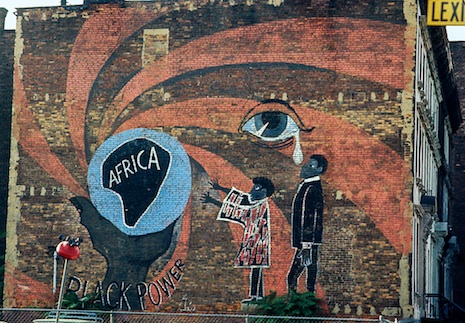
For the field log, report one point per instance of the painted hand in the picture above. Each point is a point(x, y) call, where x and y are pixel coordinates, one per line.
point(215, 184)
point(128, 257)
point(206, 198)
point(306, 257)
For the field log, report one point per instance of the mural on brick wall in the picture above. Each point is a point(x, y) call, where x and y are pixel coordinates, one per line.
point(179, 138)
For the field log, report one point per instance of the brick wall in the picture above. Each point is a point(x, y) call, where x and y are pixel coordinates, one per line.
point(458, 51)
point(6, 95)
point(196, 73)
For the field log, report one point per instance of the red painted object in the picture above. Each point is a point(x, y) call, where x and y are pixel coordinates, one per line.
point(68, 252)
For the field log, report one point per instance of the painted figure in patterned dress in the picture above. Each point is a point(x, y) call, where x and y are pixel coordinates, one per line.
point(250, 210)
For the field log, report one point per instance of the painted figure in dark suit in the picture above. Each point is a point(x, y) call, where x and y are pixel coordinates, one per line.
point(307, 223)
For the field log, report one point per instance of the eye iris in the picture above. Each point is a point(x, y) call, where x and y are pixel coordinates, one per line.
point(277, 122)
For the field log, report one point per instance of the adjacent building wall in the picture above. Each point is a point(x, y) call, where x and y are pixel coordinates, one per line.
point(129, 118)
point(458, 51)
point(6, 97)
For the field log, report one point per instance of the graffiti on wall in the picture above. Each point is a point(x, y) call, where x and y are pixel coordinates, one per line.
point(123, 295)
point(151, 146)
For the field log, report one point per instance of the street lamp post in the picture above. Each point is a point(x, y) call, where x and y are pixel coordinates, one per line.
point(68, 249)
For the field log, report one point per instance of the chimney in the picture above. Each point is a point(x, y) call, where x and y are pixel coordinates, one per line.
point(3, 12)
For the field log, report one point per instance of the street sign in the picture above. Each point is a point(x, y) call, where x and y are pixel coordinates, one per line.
point(446, 13)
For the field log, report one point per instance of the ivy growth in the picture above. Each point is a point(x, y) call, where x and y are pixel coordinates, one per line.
point(72, 301)
point(292, 304)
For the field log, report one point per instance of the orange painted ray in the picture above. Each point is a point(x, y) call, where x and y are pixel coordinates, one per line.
point(365, 170)
point(185, 113)
point(27, 291)
point(96, 41)
point(373, 184)
point(272, 43)
point(35, 145)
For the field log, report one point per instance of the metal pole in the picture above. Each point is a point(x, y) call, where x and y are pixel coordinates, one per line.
point(55, 260)
point(62, 289)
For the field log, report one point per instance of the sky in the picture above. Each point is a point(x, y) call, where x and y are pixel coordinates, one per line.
point(453, 33)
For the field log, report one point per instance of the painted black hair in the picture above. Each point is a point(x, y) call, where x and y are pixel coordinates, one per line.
point(265, 183)
point(321, 162)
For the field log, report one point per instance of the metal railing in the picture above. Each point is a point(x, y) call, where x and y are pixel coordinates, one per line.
point(68, 316)
point(439, 307)
point(26, 315)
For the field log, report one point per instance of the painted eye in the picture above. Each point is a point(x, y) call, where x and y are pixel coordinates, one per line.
point(276, 124)
point(271, 126)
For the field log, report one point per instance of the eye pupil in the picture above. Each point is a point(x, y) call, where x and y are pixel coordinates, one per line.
point(275, 121)
point(273, 118)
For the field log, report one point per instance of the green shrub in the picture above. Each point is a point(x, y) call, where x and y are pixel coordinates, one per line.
point(72, 301)
point(292, 304)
